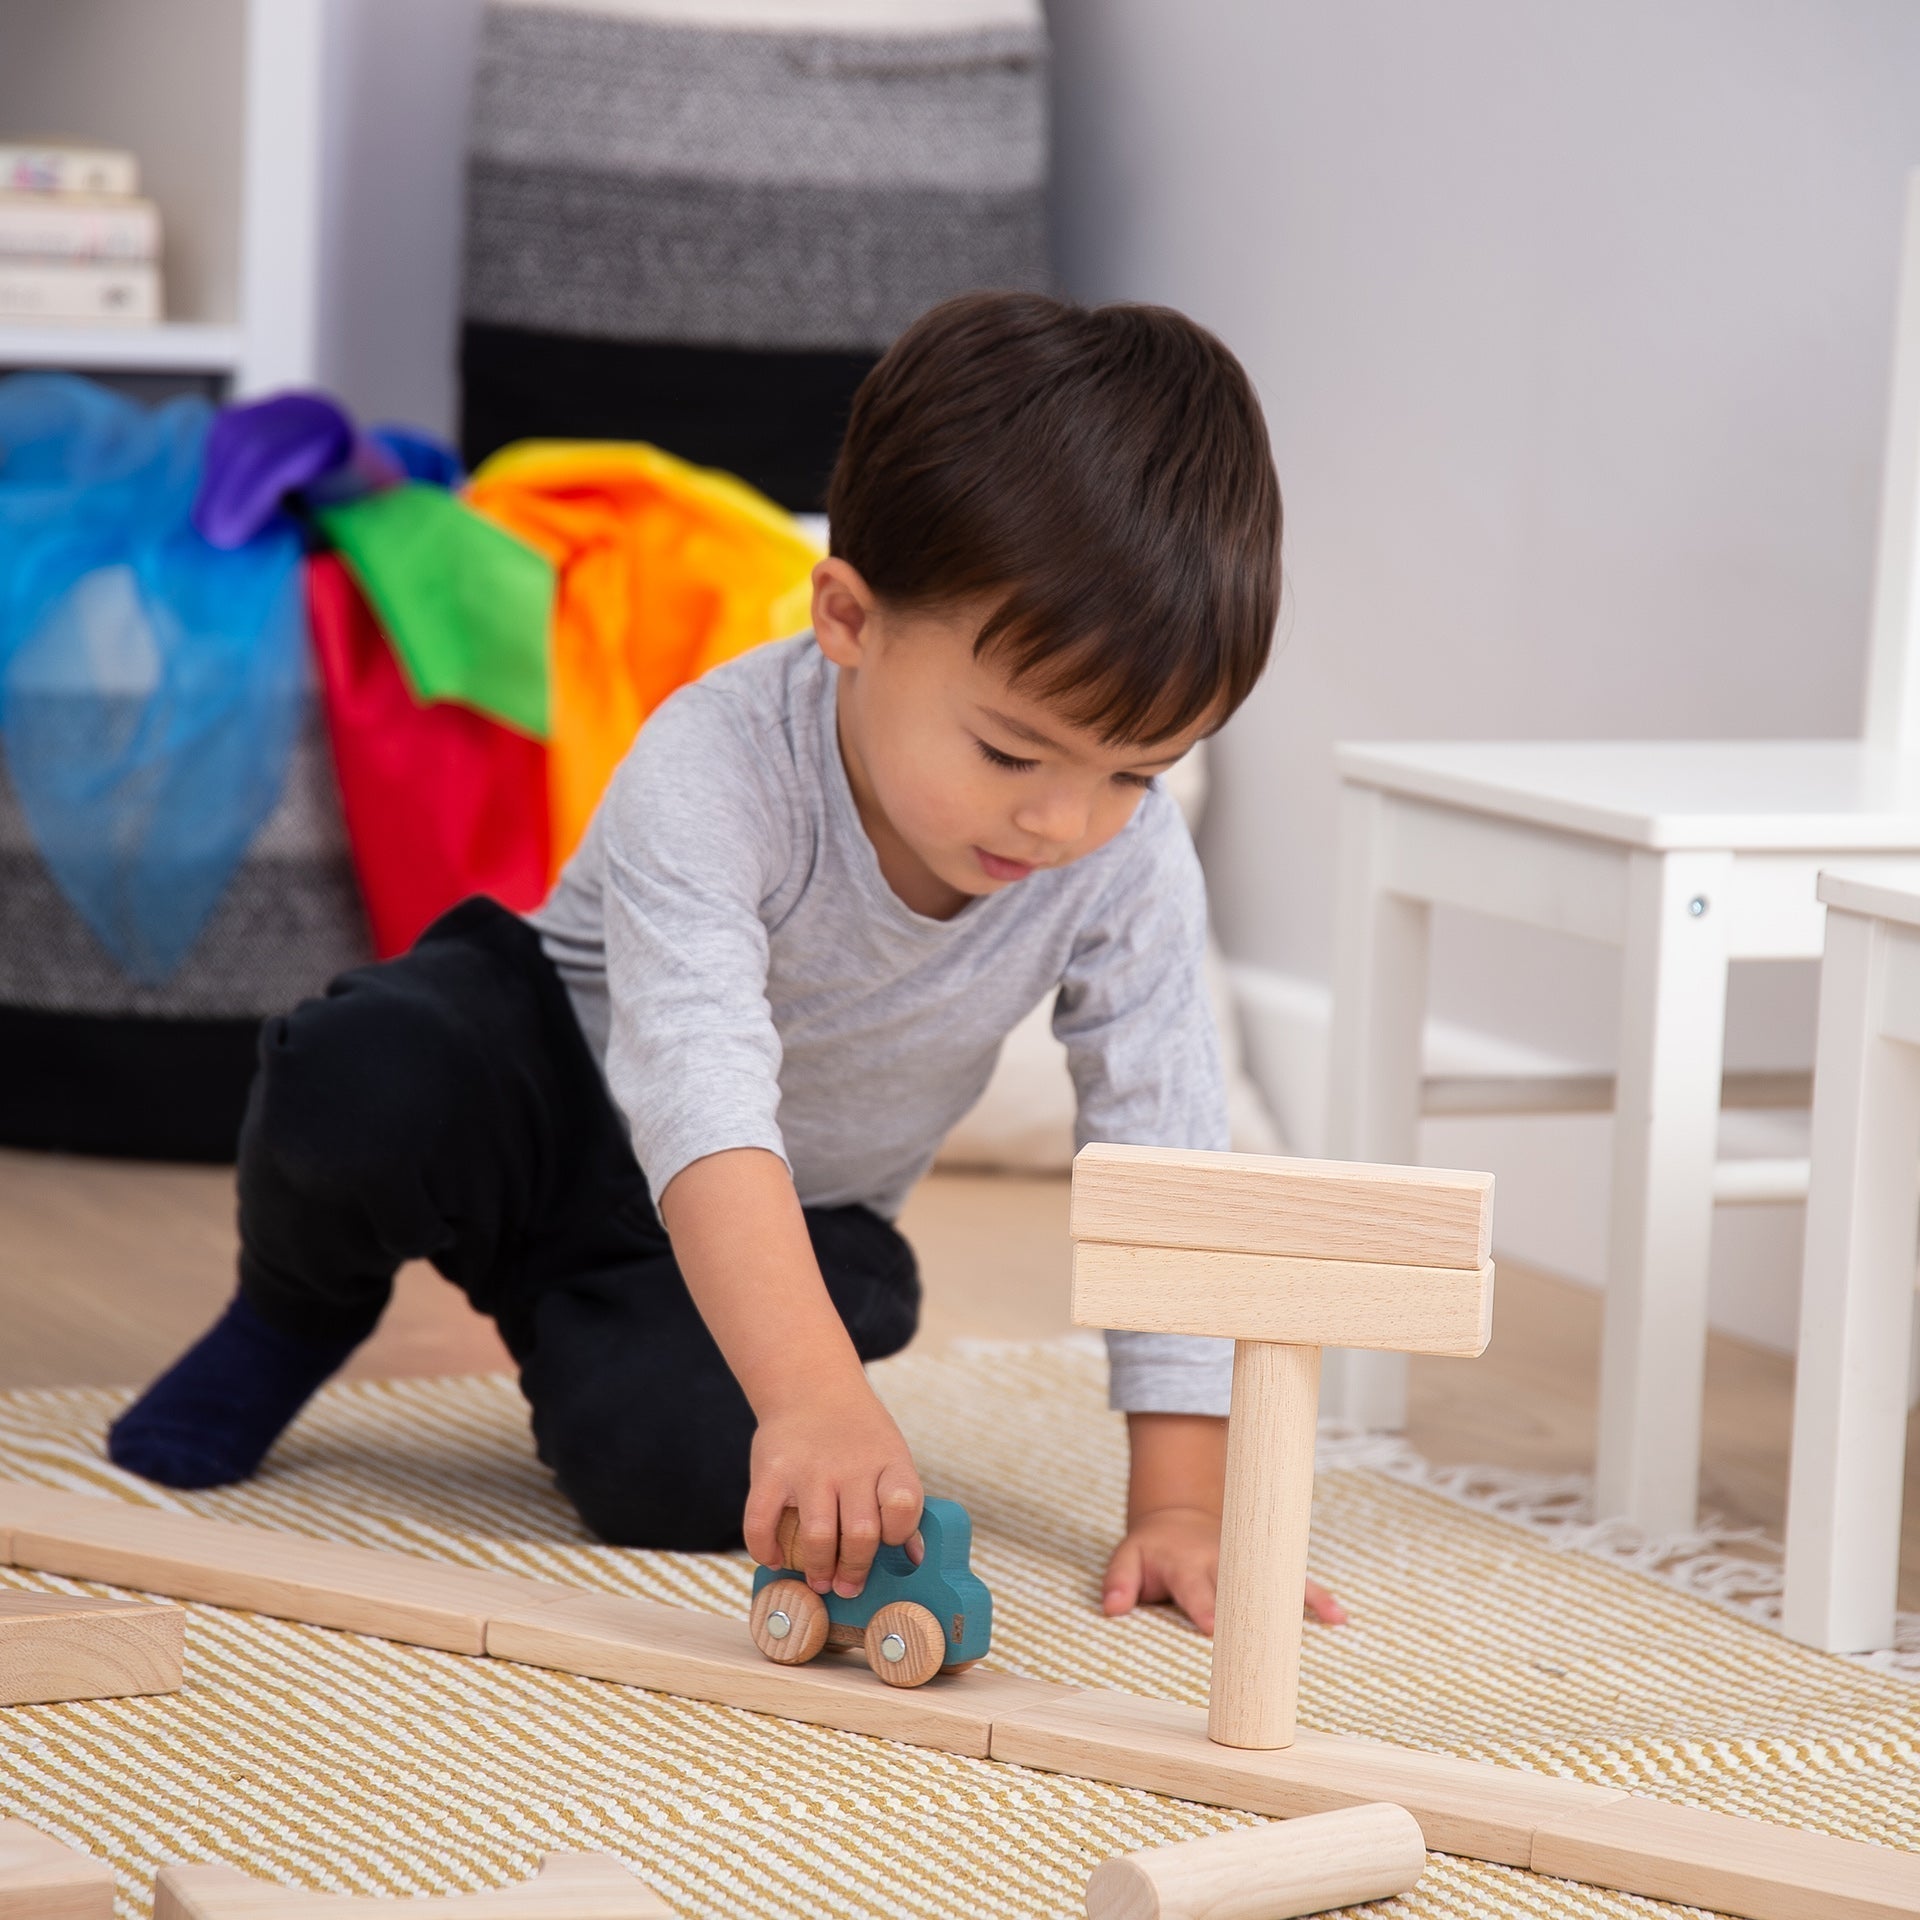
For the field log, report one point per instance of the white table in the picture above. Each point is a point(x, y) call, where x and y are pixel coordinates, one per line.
point(1856, 1291)
point(1681, 855)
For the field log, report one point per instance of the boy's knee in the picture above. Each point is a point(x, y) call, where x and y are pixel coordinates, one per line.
point(349, 1092)
point(656, 1506)
point(639, 1478)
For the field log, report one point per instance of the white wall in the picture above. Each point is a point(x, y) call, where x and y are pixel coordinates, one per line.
point(400, 73)
point(1573, 327)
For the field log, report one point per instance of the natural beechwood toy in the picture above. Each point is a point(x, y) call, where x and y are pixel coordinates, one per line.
point(40, 1879)
point(569, 1886)
point(1309, 1865)
point(1289, 1253)
point(67, 1646)
point(1286, 1257)
point(911, 1621)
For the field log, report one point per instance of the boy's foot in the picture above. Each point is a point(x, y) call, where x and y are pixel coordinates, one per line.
point(210, 1418)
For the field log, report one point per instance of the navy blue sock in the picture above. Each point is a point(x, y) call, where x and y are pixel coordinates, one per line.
point(210, 1418)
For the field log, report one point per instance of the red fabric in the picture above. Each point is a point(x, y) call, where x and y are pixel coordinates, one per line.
point(440, 801)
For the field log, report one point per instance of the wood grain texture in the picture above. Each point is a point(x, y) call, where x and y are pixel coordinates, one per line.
point(42, 1880)
point(568, 1886)
point(1303, 1303)
point(1730, 1865)
point(356, 1589)
point(1468, 1807)
point(1263, 1545)
point(1278, 1872)
point(702, 1656)
point(24, 1505)
point(803, 1627)
point(1299, 1209)
point(63, 1646)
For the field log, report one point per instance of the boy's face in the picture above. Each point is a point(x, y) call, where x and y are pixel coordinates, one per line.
point(965, 784)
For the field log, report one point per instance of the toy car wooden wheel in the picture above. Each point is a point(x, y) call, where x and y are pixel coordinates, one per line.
point(905, 1644)
point(789, 1622)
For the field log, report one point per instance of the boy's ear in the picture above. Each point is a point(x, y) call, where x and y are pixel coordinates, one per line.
point(843, 606)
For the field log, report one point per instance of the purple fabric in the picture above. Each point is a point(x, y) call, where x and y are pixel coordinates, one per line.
point(256, 454)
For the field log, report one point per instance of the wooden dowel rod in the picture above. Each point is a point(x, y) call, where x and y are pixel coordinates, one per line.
point(1263, 1544)
point(1276, 1872)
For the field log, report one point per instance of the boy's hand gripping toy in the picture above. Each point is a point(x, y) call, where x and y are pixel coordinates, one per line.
point(913, 1622)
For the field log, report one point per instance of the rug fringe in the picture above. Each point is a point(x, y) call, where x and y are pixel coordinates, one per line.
point(1738, 1568)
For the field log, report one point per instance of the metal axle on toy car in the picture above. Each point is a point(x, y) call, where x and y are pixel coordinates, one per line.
point(912, 1622)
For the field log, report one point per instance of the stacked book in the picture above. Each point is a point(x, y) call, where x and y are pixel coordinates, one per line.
point(77, 243)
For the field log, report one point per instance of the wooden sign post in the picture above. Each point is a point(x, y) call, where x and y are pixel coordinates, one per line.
point(1284, 1257)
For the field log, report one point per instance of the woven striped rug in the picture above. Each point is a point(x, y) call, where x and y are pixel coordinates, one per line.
point(344, 1763)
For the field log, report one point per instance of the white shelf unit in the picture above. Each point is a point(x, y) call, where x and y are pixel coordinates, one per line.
point(175, 346)
point(221, 102)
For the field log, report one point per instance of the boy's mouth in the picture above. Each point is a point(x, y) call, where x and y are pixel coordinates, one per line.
point(996, 868)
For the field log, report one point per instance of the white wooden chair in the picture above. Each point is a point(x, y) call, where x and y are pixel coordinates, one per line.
point(1681, 855)
point(1851, 1383)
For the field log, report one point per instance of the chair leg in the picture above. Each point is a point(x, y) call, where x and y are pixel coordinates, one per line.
point(1374, 1065)
point(1856, 1302)
point(1665, 1131)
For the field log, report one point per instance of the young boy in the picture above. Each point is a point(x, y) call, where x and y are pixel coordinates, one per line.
point(659, 1130)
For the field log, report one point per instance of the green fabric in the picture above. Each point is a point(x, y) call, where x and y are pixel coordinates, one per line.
point(466, 605)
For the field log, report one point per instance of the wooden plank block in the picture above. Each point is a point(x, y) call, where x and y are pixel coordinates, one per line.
point(704, 1656)
point(1278, 1872)
point(64, 1646)
point(1298, 1209)
point(568, 1886)
point(356, 1589)
point(1305, 1303)
point(1463, 1806)
point(1730, 1865)
point(22, 1504)
point(42, 1880)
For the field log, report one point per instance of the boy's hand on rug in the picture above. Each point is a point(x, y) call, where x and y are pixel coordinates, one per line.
point(1170, 1553)
point(1175, 1487)
point(1174, 1554)
point(840, 1463)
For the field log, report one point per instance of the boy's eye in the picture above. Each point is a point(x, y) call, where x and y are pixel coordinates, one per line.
point(995, 758)
point(1141, 780)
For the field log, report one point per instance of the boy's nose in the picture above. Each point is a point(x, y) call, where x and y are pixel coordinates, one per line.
point(1059, 818)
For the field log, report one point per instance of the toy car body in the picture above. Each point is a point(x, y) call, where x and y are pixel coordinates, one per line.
point(913, 1621)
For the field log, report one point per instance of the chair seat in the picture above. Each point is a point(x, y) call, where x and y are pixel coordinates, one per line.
point(1885, 891)
point(1745, 796)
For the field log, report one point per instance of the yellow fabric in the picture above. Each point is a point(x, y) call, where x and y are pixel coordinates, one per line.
point(665, 570)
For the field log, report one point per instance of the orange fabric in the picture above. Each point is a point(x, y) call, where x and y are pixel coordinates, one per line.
point(665, 570)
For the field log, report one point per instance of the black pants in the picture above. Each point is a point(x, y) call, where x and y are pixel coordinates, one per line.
point(444, 1106)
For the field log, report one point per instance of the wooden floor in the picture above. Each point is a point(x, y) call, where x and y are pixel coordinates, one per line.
point(108, 1268)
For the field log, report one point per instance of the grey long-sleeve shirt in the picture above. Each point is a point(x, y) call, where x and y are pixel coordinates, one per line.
point(749, 979)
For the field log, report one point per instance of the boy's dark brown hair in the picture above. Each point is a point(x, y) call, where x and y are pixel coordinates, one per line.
point(1103, 473)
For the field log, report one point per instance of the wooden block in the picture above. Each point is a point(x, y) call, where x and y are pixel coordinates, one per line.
point(1728, 1864)
point(704, 1656)
point(357, 1589)
point(40, 1879)
point(1291, 1302)
point(1279, 1872)
point(568, 1886)
point(1463, 1806)
point(22, 1504)
point(63, 1646)
point(1300, 1209)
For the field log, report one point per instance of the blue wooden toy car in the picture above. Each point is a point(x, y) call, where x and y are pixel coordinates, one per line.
point(912, 1621)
